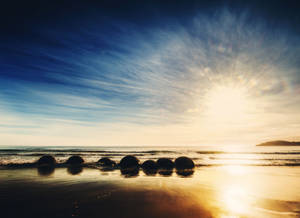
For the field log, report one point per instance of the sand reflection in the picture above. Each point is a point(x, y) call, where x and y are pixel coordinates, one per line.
point(235, 199)
point(236, 169)
point(185, 173)
point(227, 191)
point(235, 194)
point(45, 170)
point(74, 170)
point(130, 172)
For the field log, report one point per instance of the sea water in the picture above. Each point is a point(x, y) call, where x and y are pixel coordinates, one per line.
point(201, 155)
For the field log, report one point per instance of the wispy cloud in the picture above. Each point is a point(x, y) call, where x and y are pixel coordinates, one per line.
point(152, 76)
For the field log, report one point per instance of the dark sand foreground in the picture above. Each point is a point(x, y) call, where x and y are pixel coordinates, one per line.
point(209, 192)
point(96, 200)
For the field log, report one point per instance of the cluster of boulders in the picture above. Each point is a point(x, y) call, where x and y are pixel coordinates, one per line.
point(129, 165)
point(181, 163)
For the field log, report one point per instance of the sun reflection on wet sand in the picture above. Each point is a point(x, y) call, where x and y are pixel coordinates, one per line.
point(225, 192)
point(235, 199)
point(236, 169)
point(235, 193)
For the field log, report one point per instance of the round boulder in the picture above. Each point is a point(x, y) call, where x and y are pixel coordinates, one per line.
point(129, 162)
point(149, 165)
point(106, 162)
point(165, 163)
point(46, 160)
point(182, 163)
point(75, 160)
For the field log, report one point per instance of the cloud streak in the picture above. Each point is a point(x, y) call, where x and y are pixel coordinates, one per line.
point(130, 75)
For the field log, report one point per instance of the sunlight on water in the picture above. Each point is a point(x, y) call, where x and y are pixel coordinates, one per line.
point(231, 182)
point(236, 169)
point(202, 155)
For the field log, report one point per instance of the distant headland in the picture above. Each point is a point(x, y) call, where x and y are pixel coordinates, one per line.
point(279, 143)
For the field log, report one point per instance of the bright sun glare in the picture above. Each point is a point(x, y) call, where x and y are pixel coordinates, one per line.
point(225, 103)
point(235, 199)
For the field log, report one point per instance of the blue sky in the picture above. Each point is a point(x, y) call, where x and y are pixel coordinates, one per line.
point(106, 76)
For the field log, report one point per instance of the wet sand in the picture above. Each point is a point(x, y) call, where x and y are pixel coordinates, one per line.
point(209, 192)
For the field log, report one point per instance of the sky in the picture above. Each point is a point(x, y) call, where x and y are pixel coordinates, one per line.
point(149, 72)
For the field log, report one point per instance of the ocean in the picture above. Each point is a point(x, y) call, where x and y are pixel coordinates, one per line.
point(233, 181)
point(201, 155)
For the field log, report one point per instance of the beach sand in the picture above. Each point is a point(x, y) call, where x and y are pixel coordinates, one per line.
point(209, 192)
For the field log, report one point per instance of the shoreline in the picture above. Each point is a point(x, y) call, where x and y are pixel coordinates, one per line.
point(209, 192)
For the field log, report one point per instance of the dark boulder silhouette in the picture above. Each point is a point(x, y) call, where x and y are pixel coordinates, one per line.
point(150, 172)
point(107, 169)
point(129, 162)
point(106, 162)
point(74, 170)
point(45, 170)
point(46, 160)
point(150, 167)
point(75, 160)
point(165, 172)
point(165, 163)
point(182, 163)
point(130, 172)
point(185, 173)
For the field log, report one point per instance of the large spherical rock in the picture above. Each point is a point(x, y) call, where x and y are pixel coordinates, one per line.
point(149, 165)
point(165, 163)
point(182, 163)
point(46, 160)
point(75, 160)
point(106, 162)
point(129, 162)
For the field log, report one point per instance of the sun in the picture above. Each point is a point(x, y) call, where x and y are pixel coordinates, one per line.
point(226, 103)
